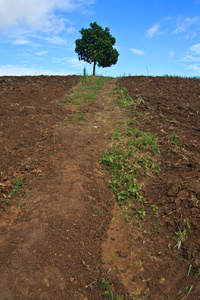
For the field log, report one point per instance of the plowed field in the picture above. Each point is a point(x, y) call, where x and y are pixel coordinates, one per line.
point(61, 227)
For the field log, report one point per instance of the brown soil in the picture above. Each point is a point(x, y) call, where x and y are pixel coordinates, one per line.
point(61, 231)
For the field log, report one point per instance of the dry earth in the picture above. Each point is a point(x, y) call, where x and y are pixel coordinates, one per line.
point(61, 231)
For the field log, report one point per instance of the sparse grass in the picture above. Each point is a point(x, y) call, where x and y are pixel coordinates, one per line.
point(124, 99)
point(16, 190)
point(184, 230)
point(126, 158)
point(85, 76)
point(55, 141)
point(144, 140)
point(197, 271)
point(18, 183)
point(174, 139)
point(132, 153)
point(85, 91)
point(96, 211)
point(79, 116)
point(105, 285)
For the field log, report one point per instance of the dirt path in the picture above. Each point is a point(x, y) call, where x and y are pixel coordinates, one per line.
point(53, 249)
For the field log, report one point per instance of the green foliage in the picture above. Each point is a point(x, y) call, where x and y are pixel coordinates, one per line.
point(198, 271)
point(84, 91)
point(144, 140)
point(107, 290)
point(132, 152)
point(141, 213)
point(96, 46)
point(183, 231)
point(123, 181)
point(85, 76)
point(125, 100)
point(17, 185)
point(174, 139)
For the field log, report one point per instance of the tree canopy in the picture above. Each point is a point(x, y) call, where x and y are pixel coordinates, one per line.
point(96, 46)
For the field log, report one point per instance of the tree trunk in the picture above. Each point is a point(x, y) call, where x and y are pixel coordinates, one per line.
point(94, 68)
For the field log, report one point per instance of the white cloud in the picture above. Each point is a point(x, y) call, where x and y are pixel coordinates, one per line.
point(56, 40)
point(151, 32)
point(71, 61)
point(195, 67)
point(71, 29)
point(21, 41)
point(171, 53)
point(137, 51)
point(191, 58)
point(184, 23)
point(41, 53)
point(18, 70)
point(195, 48)
point(38, 14)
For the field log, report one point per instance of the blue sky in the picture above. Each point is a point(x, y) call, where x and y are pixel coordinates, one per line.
point(156, 37)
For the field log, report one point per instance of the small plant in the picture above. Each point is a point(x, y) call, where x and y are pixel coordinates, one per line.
point(197, 271)
point(17, 183)
point(174, 139)
point(125, 100)
point(117, 135)
point(59, 230)
point(80, 116)
point(55, 138)
point(107, 290)
point(97, 211)
point(85, 76)
point(182, 234)
point(184, 294)
point(154, 208)
point(141, 214)
point(128, 218)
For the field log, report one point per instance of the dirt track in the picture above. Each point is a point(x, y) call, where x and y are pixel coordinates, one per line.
point(55, 225)
point(52, 250)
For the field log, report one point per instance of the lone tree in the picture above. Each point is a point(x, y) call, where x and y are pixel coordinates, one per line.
point(96, 46)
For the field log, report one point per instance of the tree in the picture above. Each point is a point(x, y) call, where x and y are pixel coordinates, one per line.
point(96, 46)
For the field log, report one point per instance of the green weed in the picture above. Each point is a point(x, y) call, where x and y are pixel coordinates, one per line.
point(124, 99)
point(85, 76)
point(107, 290)
point(17, 184)
point(198, 272)
point(79, 116)
point(123, 181)
point(183, 231)
point(144, 140)
point(85, 91)
point(116, 135)
point(141, 214)
point(174, 139)
point(97, 211)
